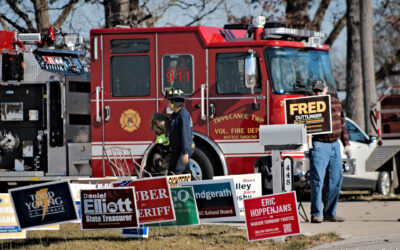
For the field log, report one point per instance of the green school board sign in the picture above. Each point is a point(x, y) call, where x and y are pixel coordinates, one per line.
point(185, 208)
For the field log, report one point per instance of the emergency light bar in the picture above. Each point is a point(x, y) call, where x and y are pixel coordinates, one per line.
point(293, 32)
point(314, 38)
point(259, 21)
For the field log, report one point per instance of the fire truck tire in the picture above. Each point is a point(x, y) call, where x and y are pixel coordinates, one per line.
point(201, 165)
point(384, 183)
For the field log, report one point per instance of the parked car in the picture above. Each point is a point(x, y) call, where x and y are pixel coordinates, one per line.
point(362, 146)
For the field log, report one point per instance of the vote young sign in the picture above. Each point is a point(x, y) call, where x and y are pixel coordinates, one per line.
point(271, 216)
point(43, 204)
point(153, 199)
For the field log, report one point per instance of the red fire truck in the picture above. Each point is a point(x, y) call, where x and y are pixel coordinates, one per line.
point(234, 78)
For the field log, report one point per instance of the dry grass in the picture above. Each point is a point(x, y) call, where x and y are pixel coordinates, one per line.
point(368, 197)
point(70, 236)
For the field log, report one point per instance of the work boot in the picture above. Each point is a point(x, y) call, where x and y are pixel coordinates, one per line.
point(333, 219)
point(316, 219)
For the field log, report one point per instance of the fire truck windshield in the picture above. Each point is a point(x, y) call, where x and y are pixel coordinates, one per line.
point(292, 70)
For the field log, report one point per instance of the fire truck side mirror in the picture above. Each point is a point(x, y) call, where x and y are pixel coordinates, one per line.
point(251, 71)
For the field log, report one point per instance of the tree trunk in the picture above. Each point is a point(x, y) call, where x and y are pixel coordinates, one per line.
point(134, 11)
point(42, 15)
point(367, 61)
point(354, 88)
point(297, 14)
point(116, 13)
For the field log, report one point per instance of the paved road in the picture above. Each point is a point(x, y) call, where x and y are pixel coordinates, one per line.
point(368, 225)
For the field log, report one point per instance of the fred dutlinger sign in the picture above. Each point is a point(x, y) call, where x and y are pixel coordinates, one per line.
point(313, 111)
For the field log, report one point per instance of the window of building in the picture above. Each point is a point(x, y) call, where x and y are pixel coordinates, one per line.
point(178, 72)
point(231, 74)
point(130, 75)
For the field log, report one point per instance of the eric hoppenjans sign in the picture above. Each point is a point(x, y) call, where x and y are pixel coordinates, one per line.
point(43, 204)
point(271, 216)
point(153, 199)
point(216, 199)
point(108, 208)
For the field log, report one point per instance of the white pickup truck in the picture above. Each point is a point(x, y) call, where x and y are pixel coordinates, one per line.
point(377, 159)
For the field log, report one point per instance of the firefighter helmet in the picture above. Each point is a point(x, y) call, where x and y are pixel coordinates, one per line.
point(175, 95)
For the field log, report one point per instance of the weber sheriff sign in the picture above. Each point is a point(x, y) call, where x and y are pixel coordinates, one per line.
point(153, 199)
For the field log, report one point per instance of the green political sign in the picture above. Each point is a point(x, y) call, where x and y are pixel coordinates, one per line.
point(185, 208)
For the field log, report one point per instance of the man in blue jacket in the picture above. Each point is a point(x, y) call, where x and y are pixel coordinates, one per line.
point(181, 133)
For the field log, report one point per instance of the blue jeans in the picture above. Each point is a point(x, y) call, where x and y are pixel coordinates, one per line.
point(182, 168)
point(325, 172)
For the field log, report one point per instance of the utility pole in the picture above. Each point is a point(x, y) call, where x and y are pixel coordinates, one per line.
point(367, 61)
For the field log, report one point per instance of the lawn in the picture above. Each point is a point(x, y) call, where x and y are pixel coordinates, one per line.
point(70, 236)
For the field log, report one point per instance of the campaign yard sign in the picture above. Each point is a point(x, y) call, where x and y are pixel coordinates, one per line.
point(153, 199)
point(313, 111)
point(271, 216)
point(43, 204)
point(216, 199)
point(138, 232)
point(76, 194)
point(108, 208)
point(173, 180)
point(185, 208)
point(8, 222)
point(246, 186)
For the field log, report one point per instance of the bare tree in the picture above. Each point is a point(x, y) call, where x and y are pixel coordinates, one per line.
point(354, 88)
point(22, 22)
point(134, 13)
point(386, 43)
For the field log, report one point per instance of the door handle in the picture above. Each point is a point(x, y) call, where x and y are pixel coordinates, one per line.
point(203, 110)
point(212, 110)
point(98, 118)
point(107, 113)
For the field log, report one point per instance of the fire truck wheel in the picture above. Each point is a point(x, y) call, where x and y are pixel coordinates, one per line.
point(201, 166)
point(384, 183)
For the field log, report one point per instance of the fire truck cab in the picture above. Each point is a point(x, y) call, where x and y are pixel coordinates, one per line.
point(234, 79)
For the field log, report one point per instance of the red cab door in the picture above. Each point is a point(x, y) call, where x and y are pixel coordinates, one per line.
point(123, 97)
point(235, 112)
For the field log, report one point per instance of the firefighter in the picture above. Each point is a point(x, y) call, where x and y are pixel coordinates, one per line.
point(181, 133)
point(326, 161)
